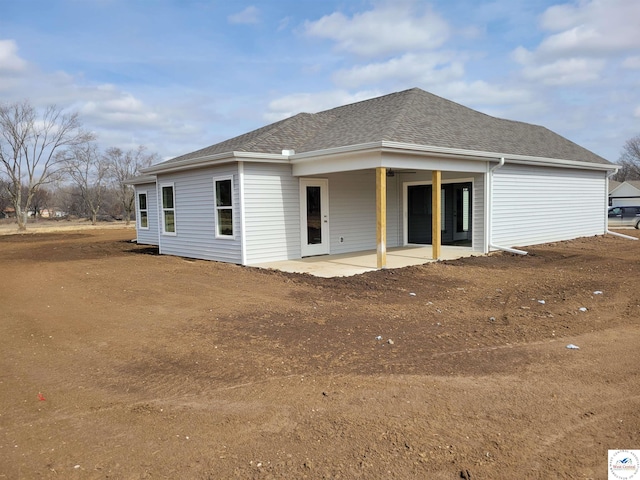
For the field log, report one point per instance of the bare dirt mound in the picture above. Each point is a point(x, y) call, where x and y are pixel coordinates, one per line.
point(116, 362)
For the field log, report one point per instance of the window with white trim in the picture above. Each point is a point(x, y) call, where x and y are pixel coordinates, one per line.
point(143, 211)
point(223, 197)
point(168, 210)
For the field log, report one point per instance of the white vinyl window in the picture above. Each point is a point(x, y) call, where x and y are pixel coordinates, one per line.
point(168, 210)
point(143, 211)
point(223, 197)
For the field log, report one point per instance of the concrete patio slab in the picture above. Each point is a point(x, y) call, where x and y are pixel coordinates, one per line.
point(347, 264)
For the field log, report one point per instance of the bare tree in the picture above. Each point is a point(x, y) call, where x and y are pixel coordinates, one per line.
point(629, 161)
point(89, 171)
point(124, 166)
point(31, 147)
point(41, 201)
point(5, 199)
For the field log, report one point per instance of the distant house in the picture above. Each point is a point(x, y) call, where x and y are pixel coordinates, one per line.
point(624, 194)
point(47, 213)
point(370, 175)
point(8, 212)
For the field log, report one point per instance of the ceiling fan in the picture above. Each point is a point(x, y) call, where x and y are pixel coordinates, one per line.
point(392, 172)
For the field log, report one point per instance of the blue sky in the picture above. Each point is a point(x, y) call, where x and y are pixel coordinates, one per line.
point(178, 75)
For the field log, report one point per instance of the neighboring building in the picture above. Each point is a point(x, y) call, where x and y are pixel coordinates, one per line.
point(624, 194)
point(342, 180)
point(48, 213)
point(8, 212)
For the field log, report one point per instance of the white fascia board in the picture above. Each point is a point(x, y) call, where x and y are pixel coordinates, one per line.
point(343, 153)
point(218, 159)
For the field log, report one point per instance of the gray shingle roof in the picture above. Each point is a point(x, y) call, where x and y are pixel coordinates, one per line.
point(411, 116)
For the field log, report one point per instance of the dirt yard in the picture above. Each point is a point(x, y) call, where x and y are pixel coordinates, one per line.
point(118, 363)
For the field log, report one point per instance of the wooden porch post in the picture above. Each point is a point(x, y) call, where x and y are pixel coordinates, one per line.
point(436, 214)
point(381, 216)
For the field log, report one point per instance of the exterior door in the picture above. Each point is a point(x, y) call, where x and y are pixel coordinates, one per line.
point(419, 214)
point(314, 216)
point(461, 211)
point(455, 213)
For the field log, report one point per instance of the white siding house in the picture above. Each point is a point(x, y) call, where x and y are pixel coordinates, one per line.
point(308, 185)
point(625, 194)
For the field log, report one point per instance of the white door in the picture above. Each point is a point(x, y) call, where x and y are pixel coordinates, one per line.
point(314, 216)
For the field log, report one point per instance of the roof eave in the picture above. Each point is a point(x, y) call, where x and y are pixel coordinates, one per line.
point(410, 148)
point(140, 179)
point(212, 160)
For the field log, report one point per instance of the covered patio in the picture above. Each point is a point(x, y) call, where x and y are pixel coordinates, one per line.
point(348, 264)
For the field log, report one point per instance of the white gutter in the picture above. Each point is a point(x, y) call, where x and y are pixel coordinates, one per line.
point(217, 159)
point(410, 148)
point(141, 179)
point(289, 156)
point(491, 245)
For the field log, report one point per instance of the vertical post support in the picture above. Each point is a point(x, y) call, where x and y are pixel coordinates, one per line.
point(381, 216)
point(436, 213)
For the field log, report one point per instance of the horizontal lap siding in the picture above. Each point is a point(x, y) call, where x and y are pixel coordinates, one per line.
point(148, 236)
point(352, 211)
point(272, 213)
point(533, 205)
point(195, 218)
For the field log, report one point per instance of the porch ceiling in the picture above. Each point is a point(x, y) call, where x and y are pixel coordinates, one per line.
point(348, 264)
point(370, 158)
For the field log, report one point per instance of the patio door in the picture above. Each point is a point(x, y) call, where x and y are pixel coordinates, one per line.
point(314, 216)
point(455, 213)
point(461, 212)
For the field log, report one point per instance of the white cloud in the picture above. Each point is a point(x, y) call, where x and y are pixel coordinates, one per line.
point(283, 23)
point(568, 71)
point(591, 28)
point(9, 59)
point(632, 63)
point(249, 15)
point(636, 113)
point(411, 68)
point(480, 92)
point(584, 36)
point(118, 110)
point(387, 29)
point(293, 104)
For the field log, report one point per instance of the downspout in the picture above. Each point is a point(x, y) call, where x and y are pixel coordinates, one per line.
point(243, 224)
point(492, 245)
point(609, 232)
